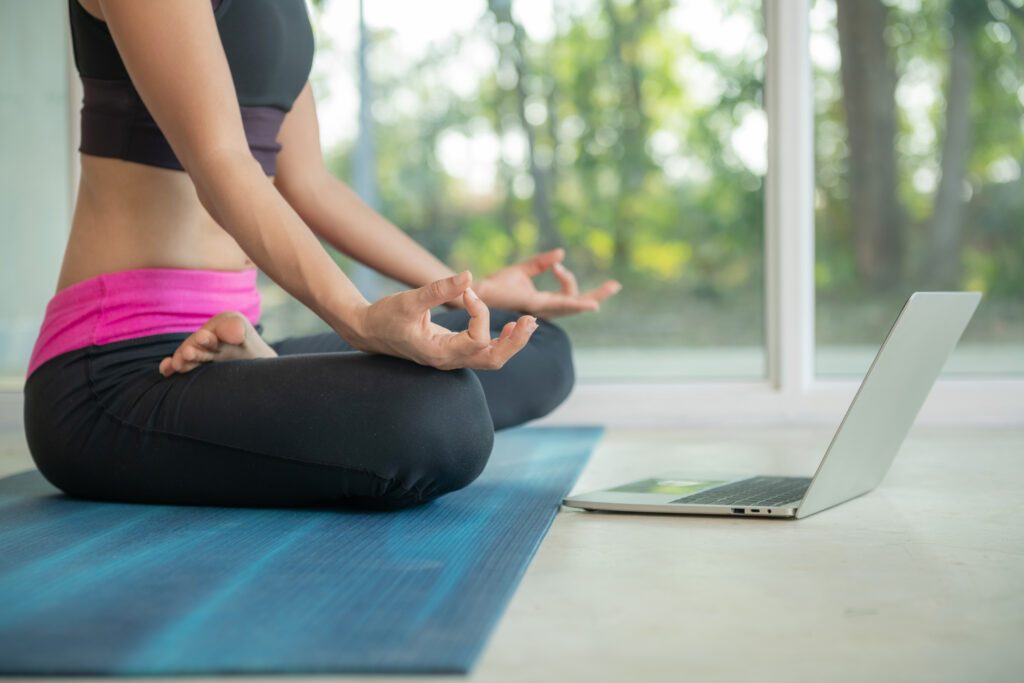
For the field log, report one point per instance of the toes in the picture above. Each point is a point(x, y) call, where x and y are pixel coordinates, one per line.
point(206, 339)
point(230, 328)
point(225, 336)
point(186, 357)
point(178, 361)
point(191, 352)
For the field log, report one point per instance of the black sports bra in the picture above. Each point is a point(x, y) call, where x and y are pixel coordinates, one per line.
point(269, 48)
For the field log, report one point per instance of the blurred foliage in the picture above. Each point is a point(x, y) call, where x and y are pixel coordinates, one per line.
point(989, 254)
point(605, 146)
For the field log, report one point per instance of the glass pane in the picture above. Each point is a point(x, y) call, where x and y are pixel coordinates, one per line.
point(920, 140)
point(629, 132)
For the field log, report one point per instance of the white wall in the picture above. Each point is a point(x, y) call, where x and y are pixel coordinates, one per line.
point(35, 178)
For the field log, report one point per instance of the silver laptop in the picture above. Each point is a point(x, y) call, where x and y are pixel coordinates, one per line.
point(877, 421)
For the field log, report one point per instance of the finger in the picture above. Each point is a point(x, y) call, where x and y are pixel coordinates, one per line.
point(479, 316)
point(542, 262)
point(506, 331)
point(560, 304)
point(503, 349)
point(566, 280)
point(444, 348)
point(601, 293)
point(440, 291)
point(455, 346)
point(165, 367)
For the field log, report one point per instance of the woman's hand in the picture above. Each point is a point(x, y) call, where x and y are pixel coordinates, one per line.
point(512, 288)
point(399, 325)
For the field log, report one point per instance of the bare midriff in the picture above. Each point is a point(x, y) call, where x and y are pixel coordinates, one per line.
point(131, 216)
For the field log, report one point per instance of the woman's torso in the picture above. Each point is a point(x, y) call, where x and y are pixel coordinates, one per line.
point(132, 215)
point(129, 216)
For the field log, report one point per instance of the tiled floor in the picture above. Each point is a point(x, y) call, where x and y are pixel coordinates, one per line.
point(921, 580)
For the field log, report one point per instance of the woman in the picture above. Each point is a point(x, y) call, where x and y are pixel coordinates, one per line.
point(149, 381)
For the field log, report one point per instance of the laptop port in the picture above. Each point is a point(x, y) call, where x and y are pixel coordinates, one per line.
point(755, 509)
point(739, 511)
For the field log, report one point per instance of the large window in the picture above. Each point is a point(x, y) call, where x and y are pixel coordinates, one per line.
point(631, 133)
point(920, 138)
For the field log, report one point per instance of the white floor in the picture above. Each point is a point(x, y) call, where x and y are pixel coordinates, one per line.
point(921, 580)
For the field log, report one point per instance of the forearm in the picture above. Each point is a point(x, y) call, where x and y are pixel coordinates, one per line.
point(245, 203)
point(336, 213)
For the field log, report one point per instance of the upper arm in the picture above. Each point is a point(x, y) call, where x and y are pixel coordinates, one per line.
point(300, 163)
point(174, 56)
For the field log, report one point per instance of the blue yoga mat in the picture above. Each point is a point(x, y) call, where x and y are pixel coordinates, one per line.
point(113, 589)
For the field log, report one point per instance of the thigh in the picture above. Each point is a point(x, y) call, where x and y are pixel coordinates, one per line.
point(325, 342)
point(335, 428)
point(532, 384)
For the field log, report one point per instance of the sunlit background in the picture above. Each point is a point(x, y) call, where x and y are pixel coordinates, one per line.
point(632, 133)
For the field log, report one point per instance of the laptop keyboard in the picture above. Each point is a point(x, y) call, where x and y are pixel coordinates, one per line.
point(761, 491)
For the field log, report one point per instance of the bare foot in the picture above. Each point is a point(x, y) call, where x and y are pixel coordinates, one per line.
point(225, 336)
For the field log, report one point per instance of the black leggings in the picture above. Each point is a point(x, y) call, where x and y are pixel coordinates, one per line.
point(321, 424)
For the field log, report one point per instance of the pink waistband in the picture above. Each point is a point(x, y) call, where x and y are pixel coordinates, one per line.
point(138, 303)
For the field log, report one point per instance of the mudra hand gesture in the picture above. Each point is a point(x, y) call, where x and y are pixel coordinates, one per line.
point(512, 288)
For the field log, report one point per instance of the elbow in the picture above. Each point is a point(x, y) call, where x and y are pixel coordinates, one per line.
point(218, 162)
point(303, 189)
point(221, 173)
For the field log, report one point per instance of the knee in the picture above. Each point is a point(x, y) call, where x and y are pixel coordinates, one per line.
point(456, 436)
point(447, 440)
point(559, 356)
point(553, 375)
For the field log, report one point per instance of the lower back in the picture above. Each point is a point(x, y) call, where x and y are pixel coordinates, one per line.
point(129, 216)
